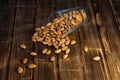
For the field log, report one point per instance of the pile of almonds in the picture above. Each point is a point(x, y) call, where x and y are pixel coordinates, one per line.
point(55, 34)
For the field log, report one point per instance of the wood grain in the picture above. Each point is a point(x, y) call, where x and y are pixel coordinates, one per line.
point(6, 27)
point(46, 69)
point(90, 37)
point(111, 39)
point(23, 29)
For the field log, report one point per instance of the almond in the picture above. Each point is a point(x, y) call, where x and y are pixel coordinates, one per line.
point(23, 46)
point(25, 60)
point(20, 70)
point(48, 52)
point(96, 58)
point(31, 66)
point(65, 56)
point(67, 50)
point(33, 54)
point(52, 58)
point(73, 42)
point(57, 51)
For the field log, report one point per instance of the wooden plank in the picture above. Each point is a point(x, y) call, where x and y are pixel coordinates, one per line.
point(6, 26)
point(71, 68)
point(46, 69)
point(111, 39)
point(115, 4)
point(6, 23)
point(4, 57)
point(23, 30)
point(8, 3)
point(26, 3)
point(90, 37)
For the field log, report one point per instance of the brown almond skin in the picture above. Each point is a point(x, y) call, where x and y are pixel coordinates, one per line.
point(57, 51)
point(48, 52)
point(52, 58)
point(33, 54)
point(35, 34)
point(79, 18)
point(65, 15)
point(83, 14)
point(70, 17)
point(67, 42)
point(20, 70)
point(62, 40)
point(65, 56)
point(62, 45)
point(25, 60)
point(86, 49)
point(67, 50)
point(96, 58)
point(64, 48)
point(23, 46)
point(31, 66)
point(73, 42)
point(44, 51)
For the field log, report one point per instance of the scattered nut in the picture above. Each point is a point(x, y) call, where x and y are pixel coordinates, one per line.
point(33, 54)
point(96, 58)
point(31, 66)
point(44, 51)
point(20, 70)
point(65, 56)
point(23, 46)
point(86, 49)
point(52, 58)
point(25, 60)
point(73, 42)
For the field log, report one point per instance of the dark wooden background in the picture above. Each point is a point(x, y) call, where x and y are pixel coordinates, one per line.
point(18, 19)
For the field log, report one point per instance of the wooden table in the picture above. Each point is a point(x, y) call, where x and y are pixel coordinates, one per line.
point(18, 19)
